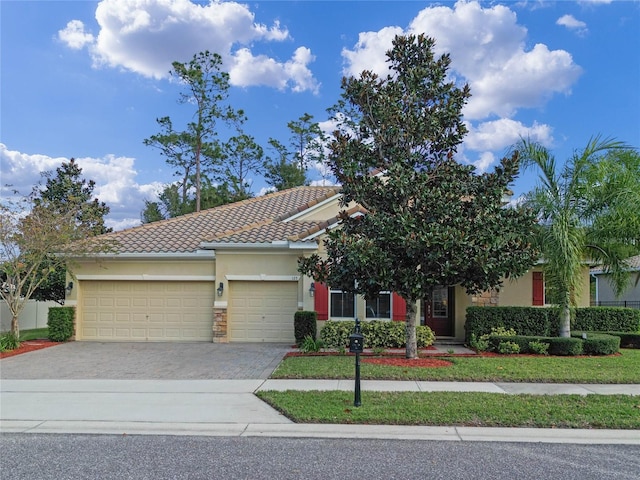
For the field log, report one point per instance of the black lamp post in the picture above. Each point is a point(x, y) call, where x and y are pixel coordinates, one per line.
point(356, 345)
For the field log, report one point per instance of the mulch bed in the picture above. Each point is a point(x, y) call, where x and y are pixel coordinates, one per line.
point(408, 362)
point(29, 346)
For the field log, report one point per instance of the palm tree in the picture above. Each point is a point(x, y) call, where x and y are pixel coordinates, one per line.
point(588, 212)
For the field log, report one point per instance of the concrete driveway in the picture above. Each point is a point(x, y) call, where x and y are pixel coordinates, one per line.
point(146, 361)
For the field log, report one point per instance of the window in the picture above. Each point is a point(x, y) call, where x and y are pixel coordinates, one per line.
point(380, 306)
point(342, 304)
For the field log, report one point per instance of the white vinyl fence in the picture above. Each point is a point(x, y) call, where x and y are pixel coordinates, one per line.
point(34, 315)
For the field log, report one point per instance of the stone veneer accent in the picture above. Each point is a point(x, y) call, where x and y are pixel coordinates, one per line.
point(220, 325)
point(486, 299)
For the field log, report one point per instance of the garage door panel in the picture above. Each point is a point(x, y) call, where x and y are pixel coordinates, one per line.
point(262, 311)
point(158, 311)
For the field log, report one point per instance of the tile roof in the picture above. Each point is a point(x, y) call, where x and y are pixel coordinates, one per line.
point(634, 265)
point(256, 220)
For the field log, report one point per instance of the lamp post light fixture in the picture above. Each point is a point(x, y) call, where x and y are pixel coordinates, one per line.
point(220, 289)
point(312, 289)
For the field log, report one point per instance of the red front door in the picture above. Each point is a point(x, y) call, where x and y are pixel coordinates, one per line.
point(438, 313)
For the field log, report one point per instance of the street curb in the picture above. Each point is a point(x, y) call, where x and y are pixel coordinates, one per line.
point(380, 432)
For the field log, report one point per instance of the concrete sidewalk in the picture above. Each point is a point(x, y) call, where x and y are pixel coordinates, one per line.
point(229, 407)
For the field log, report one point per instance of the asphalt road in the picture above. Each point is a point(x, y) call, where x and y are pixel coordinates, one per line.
point(62, 457)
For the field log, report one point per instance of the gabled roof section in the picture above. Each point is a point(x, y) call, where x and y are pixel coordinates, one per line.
point(256, 220)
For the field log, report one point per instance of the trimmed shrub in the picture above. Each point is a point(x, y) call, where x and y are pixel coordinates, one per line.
point(538, 347)
point(607, 319)
point(9, 341)
point(60, 322)
point(377, 334)
point(627, 340)
point(304, 325)
point(564, 346)
point(598, 343)
point(507, 348)
point(531, 321)
point(336, 334)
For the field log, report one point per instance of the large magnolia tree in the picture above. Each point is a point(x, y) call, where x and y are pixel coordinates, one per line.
point(424, 220)
point(589, 210)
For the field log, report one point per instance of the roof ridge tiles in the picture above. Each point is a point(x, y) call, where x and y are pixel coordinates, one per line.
point(301, 208)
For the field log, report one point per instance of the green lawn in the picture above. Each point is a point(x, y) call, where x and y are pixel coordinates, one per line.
point(623, 368)
point(34, 334)
point(461, 409)
point(469, 409)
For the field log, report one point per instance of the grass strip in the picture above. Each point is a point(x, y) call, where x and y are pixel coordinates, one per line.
point(622, 368)
point(459, 409)
point(34, 334)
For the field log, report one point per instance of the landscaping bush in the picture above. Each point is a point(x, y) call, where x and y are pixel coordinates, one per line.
point(564, 346)
point(627, 340)
point(60, 323)
point(598, 343)
point(9, 341)
point(607, 319)
point(538, 347)
point(524, 320)
point(310, 345)
point(304, 325)
point(507, 348)
point(377, 334)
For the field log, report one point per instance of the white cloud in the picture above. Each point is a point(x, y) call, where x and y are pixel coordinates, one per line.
point(572, 23)
point(74, 35)
point(115, 179)
point(250, 70)
point(369, 52)
point(501, 134)
point(487, 48)
point(146, 36)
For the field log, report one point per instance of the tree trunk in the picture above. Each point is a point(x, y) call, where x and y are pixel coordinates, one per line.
point(565, 319)
point(15, 328)
point(412, 342)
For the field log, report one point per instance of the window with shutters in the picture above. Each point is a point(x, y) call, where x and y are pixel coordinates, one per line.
point(342, 304)
point(380, 306)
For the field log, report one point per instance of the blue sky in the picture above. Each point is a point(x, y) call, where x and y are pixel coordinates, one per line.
point(88, 79)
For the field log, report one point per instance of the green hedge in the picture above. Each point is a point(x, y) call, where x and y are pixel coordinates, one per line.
point(543, 321)
point(60, 322)
point(594, 344)
point(377, 334)
point(627, 340)
point(524, 320)
point(598, 343)
point(607, 319)
point(304, 325)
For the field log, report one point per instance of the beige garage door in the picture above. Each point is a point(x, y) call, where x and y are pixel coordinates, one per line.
point(146, 311)
point(262, 311)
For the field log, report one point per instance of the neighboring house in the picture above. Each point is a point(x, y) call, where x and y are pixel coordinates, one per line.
point(604, 294)
point(229, 274)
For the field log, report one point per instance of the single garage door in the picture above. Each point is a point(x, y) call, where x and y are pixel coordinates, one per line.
point(262, 311)
point(146, 311)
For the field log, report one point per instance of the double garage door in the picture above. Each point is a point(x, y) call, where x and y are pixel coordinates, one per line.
point(146, 311)
point(183, 311)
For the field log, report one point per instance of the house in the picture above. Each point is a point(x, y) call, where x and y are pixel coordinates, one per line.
point(229, 274)
point(603, 291)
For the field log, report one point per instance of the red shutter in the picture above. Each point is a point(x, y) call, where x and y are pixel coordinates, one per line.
point(538, 288)
point(399, 308)
point(321, 301)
